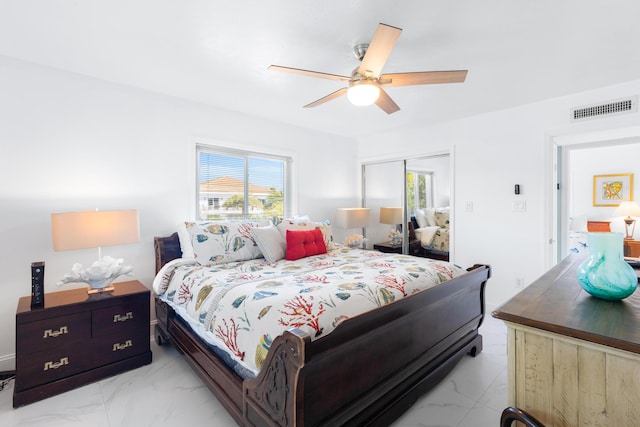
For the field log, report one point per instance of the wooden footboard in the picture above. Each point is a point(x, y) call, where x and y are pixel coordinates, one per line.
point(368, 371)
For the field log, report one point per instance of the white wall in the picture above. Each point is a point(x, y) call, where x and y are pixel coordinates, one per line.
point(70, 142)
point(584, 163)
point(492, 152)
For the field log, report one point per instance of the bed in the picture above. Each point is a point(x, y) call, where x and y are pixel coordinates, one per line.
point(352, 375)
point(431, 227)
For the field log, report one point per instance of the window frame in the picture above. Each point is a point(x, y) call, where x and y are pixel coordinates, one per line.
point(245, 154)
point(429, 189)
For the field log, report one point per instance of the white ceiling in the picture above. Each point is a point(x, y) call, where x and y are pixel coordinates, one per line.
point(217, 52)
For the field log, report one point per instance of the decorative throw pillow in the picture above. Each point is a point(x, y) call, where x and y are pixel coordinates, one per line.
point(222, 242)
point(327, 233)
point(304, 243)
point(270, 243)
point(442, 218)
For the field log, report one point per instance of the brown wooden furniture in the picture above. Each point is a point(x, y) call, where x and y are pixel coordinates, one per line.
point(595, 226)
point(353, 376)
point(632, 248)
point(388, 247)
point(573, 359)
point(77, 339)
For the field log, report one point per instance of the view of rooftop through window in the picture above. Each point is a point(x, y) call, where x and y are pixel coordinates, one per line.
point(240, 185)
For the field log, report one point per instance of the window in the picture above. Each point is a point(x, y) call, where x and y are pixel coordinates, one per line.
point(235, 184)
point(419, 190)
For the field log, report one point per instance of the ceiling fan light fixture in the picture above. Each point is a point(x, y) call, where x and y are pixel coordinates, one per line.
point(363, 92)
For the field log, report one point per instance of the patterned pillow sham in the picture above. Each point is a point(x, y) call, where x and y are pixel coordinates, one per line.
point(221, 242)
point(442, 218)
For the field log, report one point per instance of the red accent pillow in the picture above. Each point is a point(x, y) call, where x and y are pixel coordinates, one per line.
point(304, 243)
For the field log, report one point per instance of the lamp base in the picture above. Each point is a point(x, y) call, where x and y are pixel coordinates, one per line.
point(92, 291)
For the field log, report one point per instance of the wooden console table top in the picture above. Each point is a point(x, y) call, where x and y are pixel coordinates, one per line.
point(556, 303)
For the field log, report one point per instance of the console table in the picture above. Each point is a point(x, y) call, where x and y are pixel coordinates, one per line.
point(573, 359)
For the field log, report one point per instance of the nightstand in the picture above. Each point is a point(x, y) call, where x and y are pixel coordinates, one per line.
point(77, 339)
point(388, 247)
point(632, 248)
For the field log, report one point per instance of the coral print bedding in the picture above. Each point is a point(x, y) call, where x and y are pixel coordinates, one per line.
point(242, 306)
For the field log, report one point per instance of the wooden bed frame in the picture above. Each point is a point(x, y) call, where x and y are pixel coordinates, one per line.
point(355, 375)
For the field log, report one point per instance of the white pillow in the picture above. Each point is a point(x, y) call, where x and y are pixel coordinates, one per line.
point(430, 213)
point(270, 243)
point(185, 241)
point(421, 218)
point(290, 224)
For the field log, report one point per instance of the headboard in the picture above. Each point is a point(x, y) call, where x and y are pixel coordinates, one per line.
point(167, 249)
point(598, 226)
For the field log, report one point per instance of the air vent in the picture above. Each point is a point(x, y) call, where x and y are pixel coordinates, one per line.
point(627, 105)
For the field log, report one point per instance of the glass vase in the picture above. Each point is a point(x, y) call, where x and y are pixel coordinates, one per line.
point(605, 274)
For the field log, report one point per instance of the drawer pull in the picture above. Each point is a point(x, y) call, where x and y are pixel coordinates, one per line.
point(53, 334)
point(121, 318)
point(124, 345)
point(56, 365)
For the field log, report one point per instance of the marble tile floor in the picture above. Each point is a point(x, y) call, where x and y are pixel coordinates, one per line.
point(168, 393)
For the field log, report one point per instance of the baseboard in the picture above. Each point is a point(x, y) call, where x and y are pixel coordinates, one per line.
point(8, 362)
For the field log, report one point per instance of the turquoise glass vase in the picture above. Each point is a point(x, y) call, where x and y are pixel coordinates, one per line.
point(605, 274)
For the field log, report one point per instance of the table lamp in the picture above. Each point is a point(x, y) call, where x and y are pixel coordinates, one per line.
point(628, 209)
point(393, 216)
point(350, 218)
point(94, 229)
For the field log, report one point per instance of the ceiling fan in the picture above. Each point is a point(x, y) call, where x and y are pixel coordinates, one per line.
point(365, 86)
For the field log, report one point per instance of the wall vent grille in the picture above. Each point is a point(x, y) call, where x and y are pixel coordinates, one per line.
point(627, 105)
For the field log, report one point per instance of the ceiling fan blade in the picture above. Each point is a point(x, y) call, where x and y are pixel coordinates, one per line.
point(309, 73)
point(379, 50)
point(423, 78)
point(385, 102)
point(327, 98)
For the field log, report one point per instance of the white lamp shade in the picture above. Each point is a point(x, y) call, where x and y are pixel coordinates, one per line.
point(353, 217)
point(363, 93)
point(627, 209)
point(391, 215)
point(93, 229)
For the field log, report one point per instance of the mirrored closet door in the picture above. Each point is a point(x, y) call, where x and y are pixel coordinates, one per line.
point(415, 192)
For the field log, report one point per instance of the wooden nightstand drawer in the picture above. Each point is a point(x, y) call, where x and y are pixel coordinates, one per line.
point(110, 348)
point(132, 313)
point(50, 365)
point(57, 331)
point(79, 338)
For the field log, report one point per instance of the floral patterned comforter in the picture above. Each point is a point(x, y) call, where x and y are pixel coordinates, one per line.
point(241, 307)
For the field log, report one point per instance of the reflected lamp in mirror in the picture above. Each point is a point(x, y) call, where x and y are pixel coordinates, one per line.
point(95, 229)
point(351, 218)
point(628, 209)
point(393, 216)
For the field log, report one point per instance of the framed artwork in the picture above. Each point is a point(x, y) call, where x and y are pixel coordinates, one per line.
point(610, 190)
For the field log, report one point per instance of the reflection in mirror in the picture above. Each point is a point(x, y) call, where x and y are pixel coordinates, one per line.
point(383, 185)
point(428, 200)
point(426, 183)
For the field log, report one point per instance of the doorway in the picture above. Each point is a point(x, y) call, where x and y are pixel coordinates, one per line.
point(575, 160)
